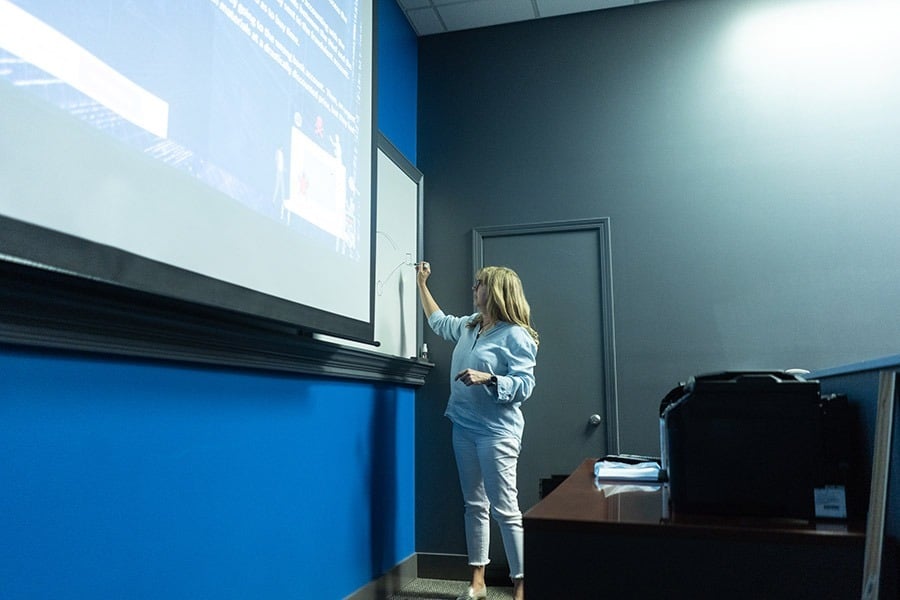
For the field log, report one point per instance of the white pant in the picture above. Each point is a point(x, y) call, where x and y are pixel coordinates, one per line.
point(487, 475)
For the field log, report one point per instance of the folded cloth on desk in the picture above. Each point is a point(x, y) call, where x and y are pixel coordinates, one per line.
point(611, 489)
point(628, 467)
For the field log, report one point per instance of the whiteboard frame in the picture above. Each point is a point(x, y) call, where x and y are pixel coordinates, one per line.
point(418, 179)
point(387, 264)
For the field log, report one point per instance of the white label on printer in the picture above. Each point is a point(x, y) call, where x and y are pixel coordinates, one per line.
point(831, 502)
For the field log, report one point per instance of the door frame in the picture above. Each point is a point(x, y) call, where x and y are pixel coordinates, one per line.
point(601, 227)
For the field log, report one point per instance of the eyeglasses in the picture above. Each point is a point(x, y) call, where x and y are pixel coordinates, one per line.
point(477, 285)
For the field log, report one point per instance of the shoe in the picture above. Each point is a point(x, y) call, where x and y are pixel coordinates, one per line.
point(473, 595)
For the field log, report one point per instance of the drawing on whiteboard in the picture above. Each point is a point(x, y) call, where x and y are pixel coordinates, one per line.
point(407, 261)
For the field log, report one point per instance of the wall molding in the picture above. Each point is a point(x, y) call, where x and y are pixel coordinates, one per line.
point(55, 310)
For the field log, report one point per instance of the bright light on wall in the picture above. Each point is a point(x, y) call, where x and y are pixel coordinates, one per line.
point(823, 50)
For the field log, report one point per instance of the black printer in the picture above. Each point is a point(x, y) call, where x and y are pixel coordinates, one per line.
point(746, 444)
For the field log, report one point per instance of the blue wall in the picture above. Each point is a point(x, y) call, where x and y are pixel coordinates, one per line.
point(125, 478)
point(397, 78)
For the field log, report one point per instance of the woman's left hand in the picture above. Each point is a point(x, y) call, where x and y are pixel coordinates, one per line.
point(473, 377)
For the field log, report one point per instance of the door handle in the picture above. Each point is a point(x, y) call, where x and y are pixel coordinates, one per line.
point(595, 420)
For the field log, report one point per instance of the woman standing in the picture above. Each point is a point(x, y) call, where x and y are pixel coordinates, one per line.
point(492, 372)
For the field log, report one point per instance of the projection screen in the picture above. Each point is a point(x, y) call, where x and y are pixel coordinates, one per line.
point(215, 151)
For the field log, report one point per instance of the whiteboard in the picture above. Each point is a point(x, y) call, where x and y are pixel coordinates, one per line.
point(398, 244)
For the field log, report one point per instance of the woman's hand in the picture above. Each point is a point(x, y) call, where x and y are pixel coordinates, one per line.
point(423, 271)
point(473, 377)
point(429, 306)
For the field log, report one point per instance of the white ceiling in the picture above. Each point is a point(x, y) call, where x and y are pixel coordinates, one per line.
point(428, 17)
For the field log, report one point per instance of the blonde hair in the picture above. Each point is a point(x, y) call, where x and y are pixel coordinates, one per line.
point(505, 299)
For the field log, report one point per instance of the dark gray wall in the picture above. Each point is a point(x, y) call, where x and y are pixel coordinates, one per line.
point(752, 187)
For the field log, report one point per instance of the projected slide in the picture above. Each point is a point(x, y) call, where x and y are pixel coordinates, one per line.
point(265, 105)
point(267, 97)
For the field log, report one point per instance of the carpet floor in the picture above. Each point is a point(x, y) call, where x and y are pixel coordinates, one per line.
point(441, 589)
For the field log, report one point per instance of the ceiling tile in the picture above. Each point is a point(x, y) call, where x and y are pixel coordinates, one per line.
point(483, 13)
point(552, 8)
point(425, 21)
point(438, 16)
point(407, 4)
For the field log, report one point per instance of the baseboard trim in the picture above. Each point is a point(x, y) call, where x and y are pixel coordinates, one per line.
point(390, 583)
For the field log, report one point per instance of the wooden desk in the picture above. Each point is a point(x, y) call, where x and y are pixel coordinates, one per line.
point(585, 542)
